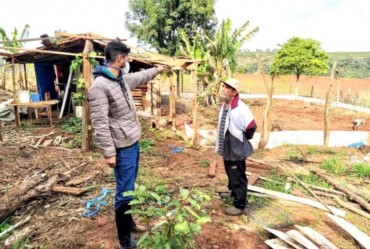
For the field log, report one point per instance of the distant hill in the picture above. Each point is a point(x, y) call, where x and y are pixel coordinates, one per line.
point(351, 64)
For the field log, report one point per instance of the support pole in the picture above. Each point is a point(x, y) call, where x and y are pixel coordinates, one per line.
point(13, 79)
point(66, 91)
point(195, 108)
point(25, 75)
point(87, 139)
point(172, 100)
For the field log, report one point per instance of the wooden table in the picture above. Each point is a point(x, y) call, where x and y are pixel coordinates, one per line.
point(36, 105)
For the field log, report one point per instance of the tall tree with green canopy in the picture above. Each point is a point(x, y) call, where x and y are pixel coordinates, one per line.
point(159, 23)
point(300, 56)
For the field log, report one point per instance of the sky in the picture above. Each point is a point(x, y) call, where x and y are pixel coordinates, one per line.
point(339, 25)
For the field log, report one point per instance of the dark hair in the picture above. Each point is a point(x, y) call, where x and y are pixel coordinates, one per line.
point(115, 48)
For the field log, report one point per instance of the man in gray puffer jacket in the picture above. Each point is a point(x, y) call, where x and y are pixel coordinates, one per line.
point(117, 128)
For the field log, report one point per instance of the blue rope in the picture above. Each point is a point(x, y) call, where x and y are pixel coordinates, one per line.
point(176, 150)
point(97, 202)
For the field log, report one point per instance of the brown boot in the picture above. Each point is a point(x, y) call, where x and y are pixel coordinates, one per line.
point(138, 228)
point(233, 211)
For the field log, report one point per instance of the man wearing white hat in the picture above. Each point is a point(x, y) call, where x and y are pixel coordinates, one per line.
point(236, 126)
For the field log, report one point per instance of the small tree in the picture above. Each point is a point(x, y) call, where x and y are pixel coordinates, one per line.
point(300, 57)
point(224, 46)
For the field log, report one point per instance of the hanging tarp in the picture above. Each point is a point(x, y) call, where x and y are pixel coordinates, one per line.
point(45, 77)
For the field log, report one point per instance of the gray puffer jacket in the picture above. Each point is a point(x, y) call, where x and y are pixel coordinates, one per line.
point(113, 114)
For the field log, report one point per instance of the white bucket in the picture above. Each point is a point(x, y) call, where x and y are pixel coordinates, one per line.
point(79, 111)
point(24, 96)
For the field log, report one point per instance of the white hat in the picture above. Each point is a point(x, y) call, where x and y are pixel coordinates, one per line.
point(234, 83)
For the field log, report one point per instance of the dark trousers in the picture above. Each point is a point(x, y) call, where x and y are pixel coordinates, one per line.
point(238, 182)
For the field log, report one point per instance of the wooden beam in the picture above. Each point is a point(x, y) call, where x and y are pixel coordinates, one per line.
point(293, 198)
point(51, 52)
point(316, 237)
point(25, 75)
point(361, 237)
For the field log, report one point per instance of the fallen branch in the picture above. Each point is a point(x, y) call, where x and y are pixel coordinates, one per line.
point(313, 194)
point(352, 208)
point(351, 195)
point(18, 224)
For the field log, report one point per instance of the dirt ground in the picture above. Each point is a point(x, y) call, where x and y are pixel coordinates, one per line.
point(57, 220)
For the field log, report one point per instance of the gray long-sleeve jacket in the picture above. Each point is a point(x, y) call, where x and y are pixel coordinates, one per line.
point(114, 118)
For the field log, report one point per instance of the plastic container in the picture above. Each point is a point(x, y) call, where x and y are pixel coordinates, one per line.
point(24, 96)
point(35, 97)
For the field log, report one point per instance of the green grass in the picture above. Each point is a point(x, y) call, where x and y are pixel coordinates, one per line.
point(334, 166)
point(313, 180)
point(72, 126)
point(361, 169)
point(203, 163)
point(146, 145)
point(146, 178)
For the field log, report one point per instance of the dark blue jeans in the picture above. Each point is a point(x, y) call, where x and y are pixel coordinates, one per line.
point(127, 166)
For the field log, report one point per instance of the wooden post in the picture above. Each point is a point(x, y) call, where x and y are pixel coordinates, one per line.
point(182, 83)
point(4, 77)
point(195, 109)
point(87, 139)
point(157, 96)
point(327, 106)
point(172, 100)
point(25, 75)
point(13, 79)
point(178, 84)
point(266, 113)
point(338, 90)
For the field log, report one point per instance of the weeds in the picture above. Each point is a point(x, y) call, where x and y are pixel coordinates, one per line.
point(361, 169)
point(73, 126)
point(334, 166)
point(203, 163)
point(73, 143)
point(146, 145)
point(314, 180)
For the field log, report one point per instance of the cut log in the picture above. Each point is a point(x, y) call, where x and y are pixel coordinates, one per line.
point(351, 195)
point(285, 238)
point(352, 208)
point(252, 179)
point(298, 237)
point(68, 191)
point(277, 244)
point(301, 200)
point(316, 237)
point(361, 237)
point(79, 180)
